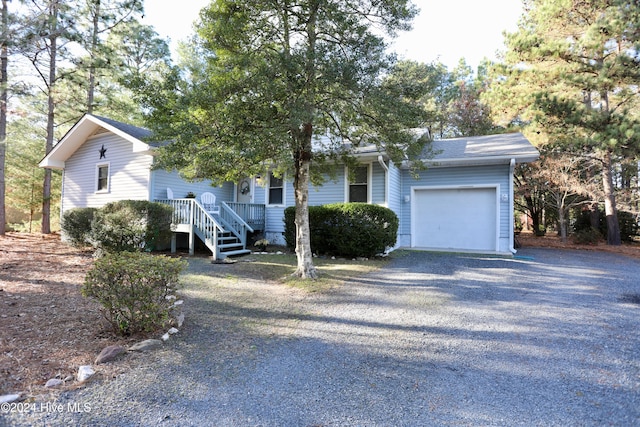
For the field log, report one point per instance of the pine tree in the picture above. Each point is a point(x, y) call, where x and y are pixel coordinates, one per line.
point(574, 75)
point(267, 76)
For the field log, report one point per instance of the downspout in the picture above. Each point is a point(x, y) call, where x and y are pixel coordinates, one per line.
point(386, 179)
point(386, 193)
point(512, 166)
point(62, 188)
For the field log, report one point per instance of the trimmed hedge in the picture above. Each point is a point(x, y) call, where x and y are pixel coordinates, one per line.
point(126, 225)
point(76, 226)
point(135, 289)
point(346, 229)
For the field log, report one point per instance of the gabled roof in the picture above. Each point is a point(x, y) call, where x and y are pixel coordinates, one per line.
point(469, 151)
point(482, 150)
point(88, 126)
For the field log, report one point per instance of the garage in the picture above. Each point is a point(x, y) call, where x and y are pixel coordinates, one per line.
point(455, 218)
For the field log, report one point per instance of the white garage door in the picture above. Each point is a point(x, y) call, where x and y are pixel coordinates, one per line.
point(463, 218)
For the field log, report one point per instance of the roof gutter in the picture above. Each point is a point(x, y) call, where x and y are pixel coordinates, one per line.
point(478, 161)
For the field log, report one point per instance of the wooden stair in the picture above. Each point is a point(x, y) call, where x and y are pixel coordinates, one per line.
point(223, 232)
point(229, 245)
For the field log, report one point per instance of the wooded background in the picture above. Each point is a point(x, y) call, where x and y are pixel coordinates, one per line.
point(568, 80)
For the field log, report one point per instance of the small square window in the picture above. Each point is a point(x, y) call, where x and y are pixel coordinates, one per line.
point(102, 178)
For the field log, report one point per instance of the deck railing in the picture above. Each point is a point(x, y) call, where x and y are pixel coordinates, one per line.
point(190, 216)
point(234, 223)
point(252, 213)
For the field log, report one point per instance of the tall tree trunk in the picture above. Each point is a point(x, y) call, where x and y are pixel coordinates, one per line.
point(613, 227)
point(4, 79)
point(305, 268)
point(562, 221)
point(46, 187)
point(610, 209)
point(534, 213)
point(92, 57)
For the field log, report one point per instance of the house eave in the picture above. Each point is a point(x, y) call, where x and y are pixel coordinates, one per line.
point(49, 163)
point(78, 134)
point(477, 161)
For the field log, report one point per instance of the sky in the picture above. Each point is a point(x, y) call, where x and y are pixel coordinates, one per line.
point(445, 30)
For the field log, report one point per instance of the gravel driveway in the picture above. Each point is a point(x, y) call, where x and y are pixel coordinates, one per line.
point(547, 338)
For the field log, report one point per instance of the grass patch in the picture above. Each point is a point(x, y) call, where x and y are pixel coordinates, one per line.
point(278, 268)
point(331, 272)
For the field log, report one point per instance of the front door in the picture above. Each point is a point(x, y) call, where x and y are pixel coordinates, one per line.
point(244, 191)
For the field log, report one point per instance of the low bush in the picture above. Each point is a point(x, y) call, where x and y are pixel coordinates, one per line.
point(76, 226)
point(135, 289)
point(628, 226)
point(346, 229)
point(131, 225)
point(627, 221)
point(587, 236)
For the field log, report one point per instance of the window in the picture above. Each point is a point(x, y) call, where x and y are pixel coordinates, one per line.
point(359, 185)
point(276, 190)
point(102, 178)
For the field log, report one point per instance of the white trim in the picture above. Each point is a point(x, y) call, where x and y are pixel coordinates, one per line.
point(79, 134)
point(97, 178)
point(455, 187)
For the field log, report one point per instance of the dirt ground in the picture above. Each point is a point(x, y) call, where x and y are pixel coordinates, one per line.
point(48, 330)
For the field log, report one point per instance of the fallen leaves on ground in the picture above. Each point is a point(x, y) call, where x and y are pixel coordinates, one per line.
point(48, 330)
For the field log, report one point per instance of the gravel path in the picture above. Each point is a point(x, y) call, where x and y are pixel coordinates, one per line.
point(548, 338)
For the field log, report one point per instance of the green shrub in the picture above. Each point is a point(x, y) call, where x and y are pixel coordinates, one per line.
point(587, 236)
point(131, 225)
point(134, 289)
point(346, 229)
point(628, 226)
point(627, 222)
point(76, 226)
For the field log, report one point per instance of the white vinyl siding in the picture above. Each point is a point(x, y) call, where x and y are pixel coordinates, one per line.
point(129, 173)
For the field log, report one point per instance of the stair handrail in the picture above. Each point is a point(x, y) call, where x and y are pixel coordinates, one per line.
point(234, 215)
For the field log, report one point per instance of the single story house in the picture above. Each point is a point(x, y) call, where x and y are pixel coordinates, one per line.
point(462, 202)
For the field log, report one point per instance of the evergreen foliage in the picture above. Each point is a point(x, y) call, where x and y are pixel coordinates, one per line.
point(265, 78)
point(347, 229)
point(131, 225)
point(571, 74)
point(76, 226)
point(136, 290)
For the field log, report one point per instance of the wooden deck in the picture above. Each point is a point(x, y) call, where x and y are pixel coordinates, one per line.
point(224, 232)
